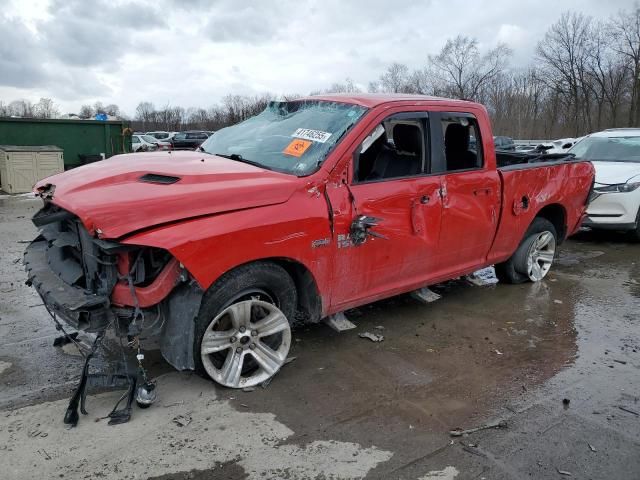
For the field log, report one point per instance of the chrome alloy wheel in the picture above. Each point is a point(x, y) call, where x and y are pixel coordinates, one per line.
point(540, 256)
point(246, 344)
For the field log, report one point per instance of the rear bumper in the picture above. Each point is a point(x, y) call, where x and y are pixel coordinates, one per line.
point(73, 305)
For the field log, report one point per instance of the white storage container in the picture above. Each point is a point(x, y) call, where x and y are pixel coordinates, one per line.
point(22, 166)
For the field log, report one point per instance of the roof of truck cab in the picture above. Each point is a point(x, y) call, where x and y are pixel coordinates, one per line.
point(371, 100)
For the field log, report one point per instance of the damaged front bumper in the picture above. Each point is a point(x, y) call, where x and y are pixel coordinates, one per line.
point(93, 284)
point(82, 310)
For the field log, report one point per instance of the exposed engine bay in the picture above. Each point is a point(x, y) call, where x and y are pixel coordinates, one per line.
point(114, 292)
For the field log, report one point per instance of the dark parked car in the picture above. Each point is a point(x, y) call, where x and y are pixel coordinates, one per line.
point(189, 140)
point(504, 143)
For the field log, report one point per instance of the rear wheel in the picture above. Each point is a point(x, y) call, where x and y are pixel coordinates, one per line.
point(534, 257)
point(243, 333)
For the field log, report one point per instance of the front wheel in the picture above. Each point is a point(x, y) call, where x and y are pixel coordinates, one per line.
point(243, 334)
point(534, 257)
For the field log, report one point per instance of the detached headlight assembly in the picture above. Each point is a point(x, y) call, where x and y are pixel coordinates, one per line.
point(618, 188)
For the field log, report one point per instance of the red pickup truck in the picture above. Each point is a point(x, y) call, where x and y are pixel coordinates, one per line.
point(310, 208)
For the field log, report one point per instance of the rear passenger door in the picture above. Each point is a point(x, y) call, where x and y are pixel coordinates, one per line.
point(470, 192)
point(392, 187)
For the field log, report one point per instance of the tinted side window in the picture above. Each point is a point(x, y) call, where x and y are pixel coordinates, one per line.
point(395, 148)
point(180, 136)
point(462, 142)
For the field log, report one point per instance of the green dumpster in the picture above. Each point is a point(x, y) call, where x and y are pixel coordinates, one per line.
point(81, 140)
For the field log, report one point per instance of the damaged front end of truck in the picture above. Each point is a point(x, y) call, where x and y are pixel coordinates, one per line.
point(129, 293)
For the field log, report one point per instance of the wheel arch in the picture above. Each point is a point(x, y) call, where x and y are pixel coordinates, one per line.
point(557, 215)
point(310, 302)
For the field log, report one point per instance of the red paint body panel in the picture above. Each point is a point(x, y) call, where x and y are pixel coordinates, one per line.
point(567, 184)
point(109, 195)
point(223, 214)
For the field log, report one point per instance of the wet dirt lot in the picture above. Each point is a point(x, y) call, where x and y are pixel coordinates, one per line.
point(350, 408)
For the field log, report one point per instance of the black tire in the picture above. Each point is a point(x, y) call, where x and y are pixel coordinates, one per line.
point(635, 234)
point(514, 270)
point(269, 281)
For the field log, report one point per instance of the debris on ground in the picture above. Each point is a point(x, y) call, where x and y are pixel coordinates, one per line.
point(182, 420)
point(248, 389)
point(459, 432)
point(473, 449)
point(37, 433)
point(564, 472)
point(622, 362)
point(374, 337)
point(566, 401)
point(378, 327)
point(4, 366)
point(288, 360)
point(425, 295)
point(483, 277)
point(498, 352)
point(64, 339)
point(339, 322)
point(559, 302)
point(591, 447)
point(628, 410)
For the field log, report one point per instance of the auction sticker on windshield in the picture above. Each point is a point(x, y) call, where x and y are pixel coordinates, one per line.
point(297, 147)
point(313, 135)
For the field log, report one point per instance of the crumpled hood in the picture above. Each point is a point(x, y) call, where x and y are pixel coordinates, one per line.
point(616, 172)
point(109, 196)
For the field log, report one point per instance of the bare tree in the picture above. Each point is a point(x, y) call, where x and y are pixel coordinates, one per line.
point(21, 108)
point(86, 111)
point(348, 86)
point(146, 115)
point(625, 29)
point(112, 109)
point(463, 71)
point(395, 79)
point(564, 52)
point(98, 108)
point(373, 86)
point(45, 108)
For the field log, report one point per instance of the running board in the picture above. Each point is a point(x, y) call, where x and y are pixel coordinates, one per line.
point(339, 322)
point(424, 295)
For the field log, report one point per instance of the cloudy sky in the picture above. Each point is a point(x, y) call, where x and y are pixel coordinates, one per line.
point(193, 52)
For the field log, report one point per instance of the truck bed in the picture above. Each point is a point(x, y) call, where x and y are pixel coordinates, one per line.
point(516, 160)
point(558, 183)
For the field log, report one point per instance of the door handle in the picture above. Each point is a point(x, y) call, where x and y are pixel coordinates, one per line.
point(482, 191)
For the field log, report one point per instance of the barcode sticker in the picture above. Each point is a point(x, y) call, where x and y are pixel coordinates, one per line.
point(313, 135)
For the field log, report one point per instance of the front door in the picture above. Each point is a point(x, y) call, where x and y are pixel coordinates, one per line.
point(387, 216)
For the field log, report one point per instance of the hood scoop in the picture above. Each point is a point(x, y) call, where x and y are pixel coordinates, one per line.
point(156, 178)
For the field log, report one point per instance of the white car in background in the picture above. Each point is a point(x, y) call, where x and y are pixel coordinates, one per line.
point(615, 201)
point(161, 135)
point(147, 143)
